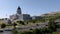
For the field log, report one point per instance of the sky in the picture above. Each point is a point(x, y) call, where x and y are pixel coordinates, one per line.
point(32, 7)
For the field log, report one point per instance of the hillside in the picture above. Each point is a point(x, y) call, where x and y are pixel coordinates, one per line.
point(46, 17)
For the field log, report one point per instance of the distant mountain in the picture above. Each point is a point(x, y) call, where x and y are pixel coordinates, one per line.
point(51, 14)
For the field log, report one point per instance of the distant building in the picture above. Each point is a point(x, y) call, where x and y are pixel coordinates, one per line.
point(19, 16)
point(36, 17)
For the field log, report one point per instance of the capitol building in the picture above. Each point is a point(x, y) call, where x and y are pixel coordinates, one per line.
point(19, 16)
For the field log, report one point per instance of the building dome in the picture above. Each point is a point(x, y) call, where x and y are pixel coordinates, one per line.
point(18, 10)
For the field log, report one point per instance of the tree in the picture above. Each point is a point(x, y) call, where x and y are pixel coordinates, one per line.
point(3, 25)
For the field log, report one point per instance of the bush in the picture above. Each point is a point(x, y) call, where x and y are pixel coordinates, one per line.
point(14, 31)
point(54, 33)
point(21, 22)
point(28, 32)
point(37, 31)
point(52, 25)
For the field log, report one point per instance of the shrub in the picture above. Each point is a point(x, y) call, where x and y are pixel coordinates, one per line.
point(21, 22)
point(14, 24)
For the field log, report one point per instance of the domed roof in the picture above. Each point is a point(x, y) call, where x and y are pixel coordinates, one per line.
point(18, 7)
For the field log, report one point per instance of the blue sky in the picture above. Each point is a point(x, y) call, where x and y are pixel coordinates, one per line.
point(32, 7)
